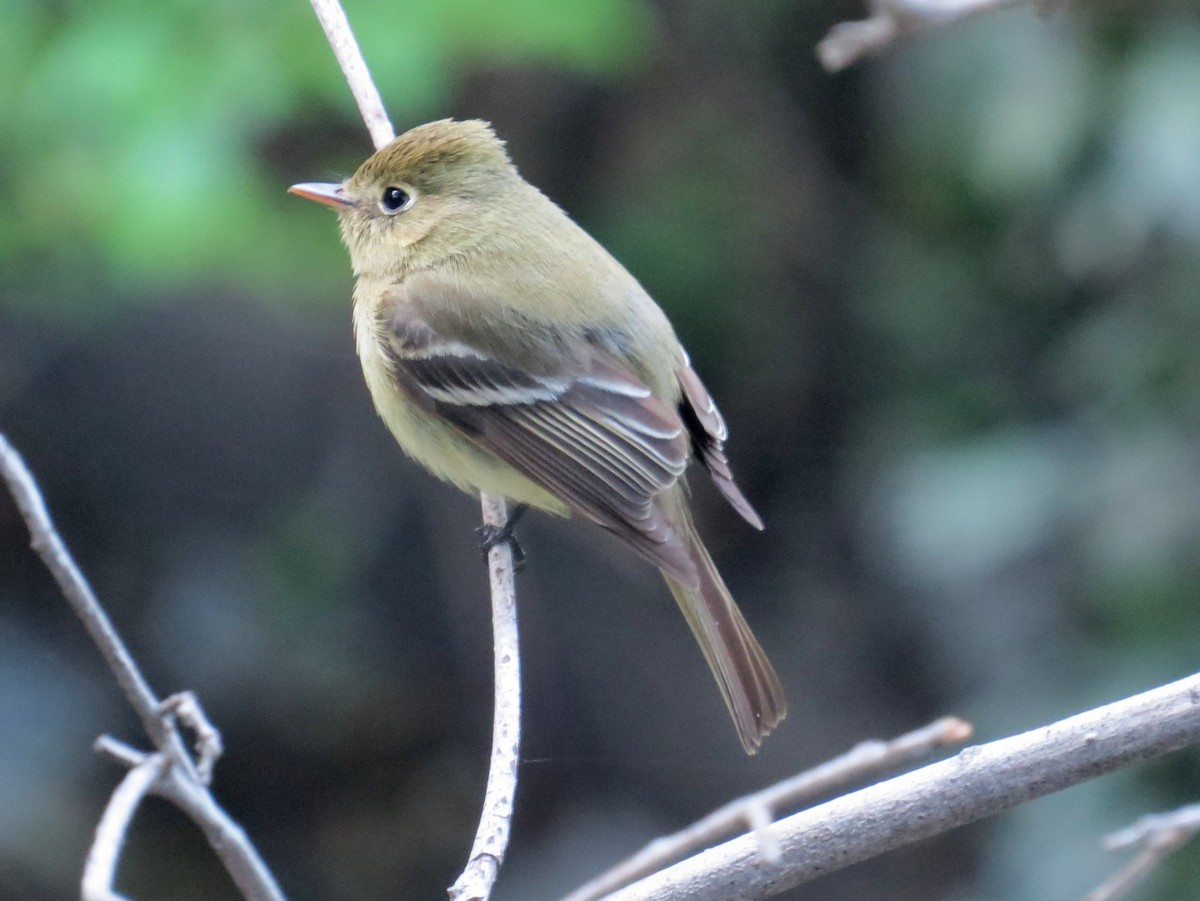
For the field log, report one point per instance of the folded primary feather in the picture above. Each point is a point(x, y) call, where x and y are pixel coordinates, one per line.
point(596, 437)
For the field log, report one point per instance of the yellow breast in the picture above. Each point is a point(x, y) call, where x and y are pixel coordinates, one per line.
point(432, 442)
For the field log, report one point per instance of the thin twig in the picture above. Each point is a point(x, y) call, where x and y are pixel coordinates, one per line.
point(978, 782)
point(1156, 836)
point(491, 839)
point(341, 38)
point(126, 755)
point(892, 20)
point(229, 840)
point(185, 707)
point(758, 810)
point(101, 867)
point(178, 780)
point(241, 861)
point(44, 539)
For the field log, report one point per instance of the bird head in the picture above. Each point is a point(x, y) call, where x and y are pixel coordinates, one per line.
point(426, 195)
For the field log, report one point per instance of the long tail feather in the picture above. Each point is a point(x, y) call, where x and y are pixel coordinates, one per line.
point(747, 680)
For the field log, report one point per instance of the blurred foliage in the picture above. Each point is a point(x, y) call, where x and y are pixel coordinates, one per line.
point(948, 301)
point(138, 139)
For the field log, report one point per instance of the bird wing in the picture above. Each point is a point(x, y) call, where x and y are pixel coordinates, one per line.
point(707, 429)
point(588, 430)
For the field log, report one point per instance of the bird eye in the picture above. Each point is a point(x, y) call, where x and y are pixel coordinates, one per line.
point(394, 200)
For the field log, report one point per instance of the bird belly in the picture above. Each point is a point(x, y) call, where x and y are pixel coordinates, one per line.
point(437, 445)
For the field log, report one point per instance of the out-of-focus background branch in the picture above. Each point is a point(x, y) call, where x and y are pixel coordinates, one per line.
point(947, 300)
point(891, 21)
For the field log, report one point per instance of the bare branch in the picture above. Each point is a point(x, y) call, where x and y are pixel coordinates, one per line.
point(185, 707)
point(1158, 835)
point(892, 20)
point(45, 540)
point(758, 810)
point(241, 861)
point(491, 838)
point(230, 842)
point(101, 867)
point(978, 782)
point(1148, 828)
point(126, 755)
point(175, 775)
point(370, 105)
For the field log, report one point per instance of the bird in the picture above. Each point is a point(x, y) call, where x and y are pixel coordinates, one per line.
point(509, 353)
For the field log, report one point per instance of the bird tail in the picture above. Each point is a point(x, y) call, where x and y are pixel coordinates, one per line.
point(747, 680)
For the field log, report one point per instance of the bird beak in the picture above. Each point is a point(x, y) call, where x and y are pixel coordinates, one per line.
point(322, 192)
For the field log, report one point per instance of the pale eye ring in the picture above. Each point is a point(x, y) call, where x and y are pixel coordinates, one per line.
point(394, 199)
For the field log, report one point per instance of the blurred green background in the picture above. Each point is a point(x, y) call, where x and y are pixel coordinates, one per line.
point(947, 300)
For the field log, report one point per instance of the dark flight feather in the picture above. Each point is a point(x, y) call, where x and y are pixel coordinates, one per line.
point(598, 439)
point(707, 428)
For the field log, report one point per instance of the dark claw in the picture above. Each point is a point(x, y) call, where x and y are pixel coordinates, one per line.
point(491, 536)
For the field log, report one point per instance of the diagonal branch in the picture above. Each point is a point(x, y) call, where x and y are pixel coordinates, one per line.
point(172, 774)
point(45, 540)
point(350, 59)
point(1156, 836)
point(491, 838)
point(870, 758)
point(978, 782)
point(893, 20)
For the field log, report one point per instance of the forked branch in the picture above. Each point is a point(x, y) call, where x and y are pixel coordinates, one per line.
point(169, 772)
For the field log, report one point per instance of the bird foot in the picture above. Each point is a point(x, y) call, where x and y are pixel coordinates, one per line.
point(492, 536)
